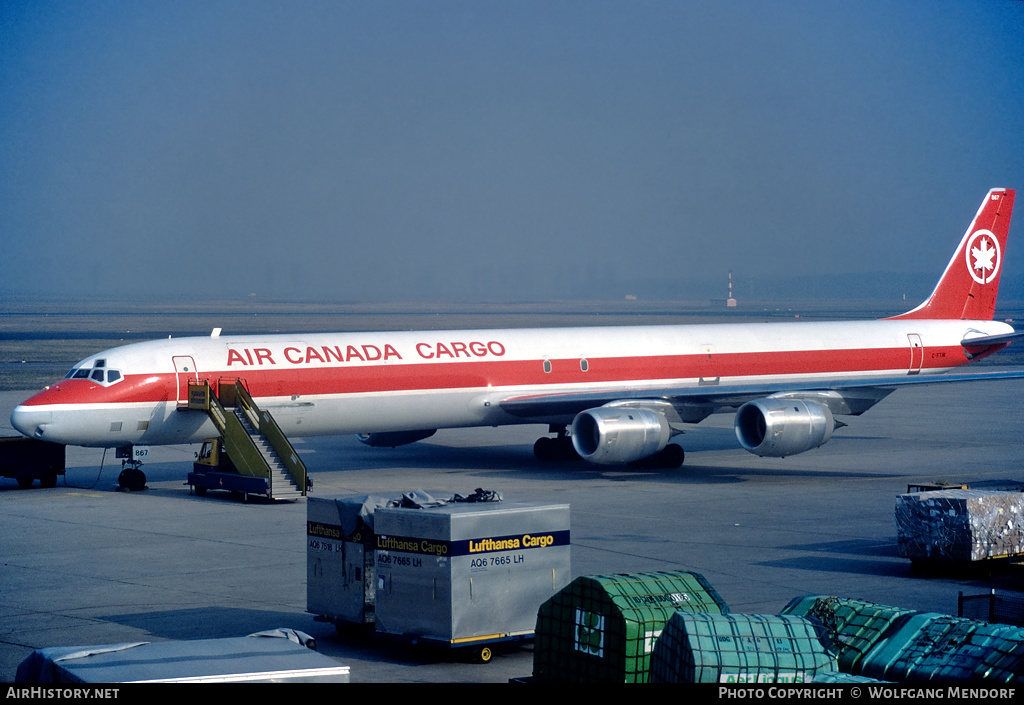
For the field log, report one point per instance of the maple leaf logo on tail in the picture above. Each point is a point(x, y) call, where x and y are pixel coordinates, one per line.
point(971, 294)
point(983, 256)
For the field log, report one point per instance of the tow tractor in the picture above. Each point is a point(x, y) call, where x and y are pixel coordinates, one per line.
point(213, 470)
point(28, 460)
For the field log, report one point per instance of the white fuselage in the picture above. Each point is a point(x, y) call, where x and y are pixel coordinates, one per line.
point(341, 383)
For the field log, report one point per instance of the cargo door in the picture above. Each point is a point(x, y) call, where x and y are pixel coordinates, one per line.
point(184, 370)
point(916, 353)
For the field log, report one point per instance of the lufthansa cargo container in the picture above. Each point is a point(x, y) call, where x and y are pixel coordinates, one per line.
point(340, 558)
point(468, 575)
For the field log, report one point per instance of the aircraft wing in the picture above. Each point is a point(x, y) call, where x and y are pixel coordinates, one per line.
point(693, 403)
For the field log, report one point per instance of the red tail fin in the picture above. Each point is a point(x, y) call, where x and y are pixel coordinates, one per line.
point(967, 289)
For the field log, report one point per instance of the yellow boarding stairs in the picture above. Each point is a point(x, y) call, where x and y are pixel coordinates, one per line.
point(252, 439)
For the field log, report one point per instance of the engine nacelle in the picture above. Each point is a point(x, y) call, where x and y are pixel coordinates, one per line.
point(612, 436)
point(780, 427)
point(390, 439)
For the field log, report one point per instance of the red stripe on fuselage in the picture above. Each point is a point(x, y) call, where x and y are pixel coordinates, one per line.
point(279, 380)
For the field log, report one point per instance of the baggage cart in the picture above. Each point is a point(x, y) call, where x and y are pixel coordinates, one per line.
point(29, 459)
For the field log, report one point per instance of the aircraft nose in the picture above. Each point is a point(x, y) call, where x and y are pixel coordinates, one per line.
point(31, 421)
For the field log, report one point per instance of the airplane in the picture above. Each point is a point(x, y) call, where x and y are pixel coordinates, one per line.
point(611, 395)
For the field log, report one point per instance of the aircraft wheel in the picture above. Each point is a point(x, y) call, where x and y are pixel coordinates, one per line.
point(550, 449)
point(484, 654)
point(132, 479)
point(48, 479)
point(25, 482)
point(671, 456)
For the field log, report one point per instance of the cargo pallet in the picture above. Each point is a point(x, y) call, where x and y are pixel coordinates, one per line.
point(976, 569)
point(935, 487)
point(957, 527)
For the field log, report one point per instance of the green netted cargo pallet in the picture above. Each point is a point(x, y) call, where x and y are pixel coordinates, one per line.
point(602, 628)
point(942, 649)
point(854, 626)
point(741, 648)
point(839, 677)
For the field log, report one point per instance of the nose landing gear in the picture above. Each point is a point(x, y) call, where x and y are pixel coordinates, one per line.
point(131, 478)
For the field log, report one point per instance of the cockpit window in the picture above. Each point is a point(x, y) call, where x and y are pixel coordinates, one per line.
point(97, 373)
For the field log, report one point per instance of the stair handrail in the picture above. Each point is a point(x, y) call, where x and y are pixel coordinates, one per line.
point(277, 439)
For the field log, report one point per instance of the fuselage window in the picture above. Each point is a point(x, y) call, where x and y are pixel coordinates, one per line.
point(584, 365)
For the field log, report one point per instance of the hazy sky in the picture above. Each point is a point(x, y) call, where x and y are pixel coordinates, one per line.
point(496, 150)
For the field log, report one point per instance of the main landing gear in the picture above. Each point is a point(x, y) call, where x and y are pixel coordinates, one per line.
point(131, 478)
point(560, 447)
point(671, 456)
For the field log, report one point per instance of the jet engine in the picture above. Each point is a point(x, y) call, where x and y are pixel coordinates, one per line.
point(777, 427)
point(612, 436)
point(390, 439)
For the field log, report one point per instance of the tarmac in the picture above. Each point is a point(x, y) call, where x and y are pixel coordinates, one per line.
point(84, 563)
